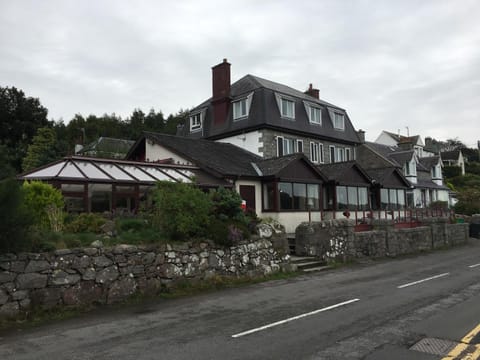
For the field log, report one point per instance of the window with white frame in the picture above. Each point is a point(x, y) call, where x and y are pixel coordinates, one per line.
point(241, 107)
point(196, 122)
point(332, 153)
point(338, 121)
point(314, 152)
point(348, 154)
point(299, 146)
point(314, 113)
point(288, 108)
point(411, 168)
point(340, 155)
point(321, 158)
point(285, 146)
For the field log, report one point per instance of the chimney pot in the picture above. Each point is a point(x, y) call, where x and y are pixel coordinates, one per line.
point(313, 92)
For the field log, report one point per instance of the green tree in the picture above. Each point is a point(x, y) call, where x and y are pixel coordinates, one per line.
point(173, 121)
point(15, 218)
point(42, 150)
point(20, 117)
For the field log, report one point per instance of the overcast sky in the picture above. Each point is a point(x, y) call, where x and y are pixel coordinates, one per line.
point(390, 64)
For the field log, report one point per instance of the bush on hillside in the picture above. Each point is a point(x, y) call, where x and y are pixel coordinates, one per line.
point(46, 204)
point(15, 218)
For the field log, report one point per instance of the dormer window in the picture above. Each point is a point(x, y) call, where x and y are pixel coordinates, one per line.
point(241, 107)
point(286, 105)
point(196, 122)
point(338, 121)
point(314, 113)
point(411, 168)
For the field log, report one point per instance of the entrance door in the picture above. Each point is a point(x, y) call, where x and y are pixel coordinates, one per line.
point(247, 193)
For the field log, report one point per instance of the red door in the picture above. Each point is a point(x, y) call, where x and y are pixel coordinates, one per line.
point(247, 193)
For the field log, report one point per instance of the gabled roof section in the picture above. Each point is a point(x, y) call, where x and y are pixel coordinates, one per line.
point(429, 162)
point(389, 177)
point(295, 166)
point(401, 157)
point(451, 155)
point(221, 159)
point(346, 173)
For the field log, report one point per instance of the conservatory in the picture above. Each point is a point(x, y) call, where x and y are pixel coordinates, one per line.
point(98, 185)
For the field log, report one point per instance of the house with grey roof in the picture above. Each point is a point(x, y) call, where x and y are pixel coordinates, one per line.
point(453, 158)
point(423, 173)
point(271, 119)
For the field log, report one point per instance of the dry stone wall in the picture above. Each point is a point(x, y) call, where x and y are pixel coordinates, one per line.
point(109, 275)
point(337, 239)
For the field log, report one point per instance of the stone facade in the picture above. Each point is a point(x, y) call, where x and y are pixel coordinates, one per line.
point(268, 144)
point(109, 275)
point(337, 239)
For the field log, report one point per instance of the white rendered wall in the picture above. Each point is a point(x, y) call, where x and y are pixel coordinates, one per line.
point(157, 152)
point(249, 141)
point(291, 219)
point(385, 139)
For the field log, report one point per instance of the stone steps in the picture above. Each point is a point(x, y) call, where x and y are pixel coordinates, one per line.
point(308, 263)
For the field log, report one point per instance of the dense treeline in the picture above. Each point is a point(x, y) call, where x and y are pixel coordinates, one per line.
point(28, 139)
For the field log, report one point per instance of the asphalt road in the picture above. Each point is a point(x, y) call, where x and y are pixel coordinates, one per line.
point(370, 311)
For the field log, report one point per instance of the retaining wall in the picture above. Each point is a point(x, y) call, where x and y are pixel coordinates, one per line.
point(333, 239)
point(108, 275)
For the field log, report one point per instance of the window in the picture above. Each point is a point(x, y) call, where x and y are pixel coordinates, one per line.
point(314, 152)
point(288, 108)
point(269, 196)
point(285, 146)
point(352, 198)
point(291, 196)
point(240, 109)
point(340, 155)
point(314, 113)
point(299, 146)
point(332, 153)
point(392, 199)
point(320, 153)
point(348, 154)
point(338, 121)
point(196, 122)
point(411, 168)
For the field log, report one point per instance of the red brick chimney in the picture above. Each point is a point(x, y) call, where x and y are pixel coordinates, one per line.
point(313, 92)
point(220, 91)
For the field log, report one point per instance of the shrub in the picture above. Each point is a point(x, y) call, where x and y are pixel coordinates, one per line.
point(451, 171)
point(181, 210)
point(86, 223)
point(45, 203)
point(227, 233)
point(226, 204)
point(131, 225)
point(15, 218)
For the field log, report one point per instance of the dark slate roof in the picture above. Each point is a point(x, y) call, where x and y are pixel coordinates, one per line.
point(385, 151)
point(450, 155)
point(388, 177)
point(429, 184)
point(401, 157)
point(343, 172)
point(429, 162)
point(275, 166)
point(264, 113)
point(222, 158)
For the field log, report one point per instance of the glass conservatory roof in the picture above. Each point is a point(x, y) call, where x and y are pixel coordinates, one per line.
point(78, 168)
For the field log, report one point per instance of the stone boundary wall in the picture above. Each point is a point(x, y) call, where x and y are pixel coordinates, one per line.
point(108, 275)
point(337, 239)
